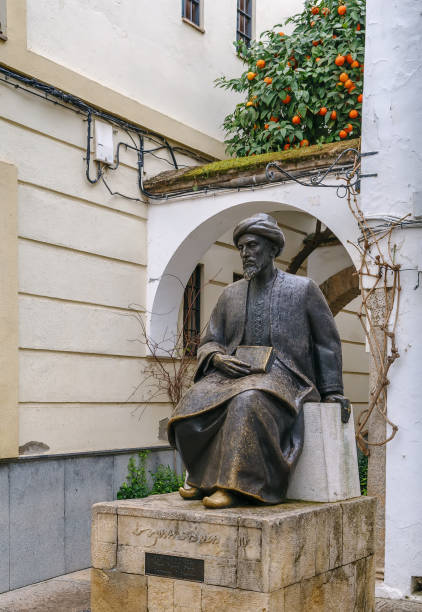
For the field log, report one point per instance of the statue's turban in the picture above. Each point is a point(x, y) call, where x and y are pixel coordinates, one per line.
point(262, 225)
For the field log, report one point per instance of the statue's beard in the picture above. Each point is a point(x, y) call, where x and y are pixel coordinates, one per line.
point(250, 271)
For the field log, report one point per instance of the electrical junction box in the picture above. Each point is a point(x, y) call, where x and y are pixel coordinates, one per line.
point(103, 142)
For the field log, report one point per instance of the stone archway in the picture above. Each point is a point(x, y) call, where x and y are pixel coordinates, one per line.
point(181, 231)
point(341, 288)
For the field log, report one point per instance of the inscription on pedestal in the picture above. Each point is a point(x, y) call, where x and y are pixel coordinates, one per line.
point(170, 566)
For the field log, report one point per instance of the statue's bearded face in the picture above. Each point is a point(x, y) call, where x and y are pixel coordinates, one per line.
point(256, 253)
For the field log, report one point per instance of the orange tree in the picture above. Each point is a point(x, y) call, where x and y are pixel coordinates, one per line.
point(303, 88)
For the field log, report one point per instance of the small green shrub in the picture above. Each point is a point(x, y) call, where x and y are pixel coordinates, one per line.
point(164, 479)
point(363, 472)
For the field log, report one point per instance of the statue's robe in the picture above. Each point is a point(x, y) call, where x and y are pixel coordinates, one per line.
point(246, 434)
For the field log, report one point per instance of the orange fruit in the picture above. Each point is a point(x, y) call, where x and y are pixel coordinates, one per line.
point(296, 120)
point(315, 43)
point(342, 9)
point(339, 84)
point(333, 116)
point(352, 88)
point(349, 128)
point(286, 147)
point(255, 127)
point(317, 59)
point(349, 58)
point(342, 134)
point(358, 27)
point(281, 33)
point(275, 119)
point(268, 80)
point(354, 64)
point(308, 56)
point(314, 10)
point(360, 98)
point(312, 24)
point(251, 76)
point(348, 83)
point(260, 63)
point(353, 114)
point(325, 11)
point(266, 126)
point(334, 36)
point(304, 143)
point(340, 59)
point(286, 99)
point(249, 103)
point(322, 111)
point(343, 77)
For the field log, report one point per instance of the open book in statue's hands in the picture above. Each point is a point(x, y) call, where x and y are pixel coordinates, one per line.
point(260, 358)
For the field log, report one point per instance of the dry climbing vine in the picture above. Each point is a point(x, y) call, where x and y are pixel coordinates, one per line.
point(377, 264)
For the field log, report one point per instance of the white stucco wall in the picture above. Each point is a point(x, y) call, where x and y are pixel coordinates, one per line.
point(392, 125)
point(144, 50)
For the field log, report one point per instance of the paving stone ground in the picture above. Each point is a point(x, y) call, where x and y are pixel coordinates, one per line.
point(70, 593)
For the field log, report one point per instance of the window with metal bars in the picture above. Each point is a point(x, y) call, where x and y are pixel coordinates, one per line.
point(244, 21)
point(191, 10)
point(192, 312)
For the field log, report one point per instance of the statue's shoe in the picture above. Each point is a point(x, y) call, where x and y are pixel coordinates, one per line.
point(191, 493)
point(219, 499)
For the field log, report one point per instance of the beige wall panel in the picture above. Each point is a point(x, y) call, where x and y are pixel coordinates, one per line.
point(66, 326)
point(43, 116)
point(299, 220)
point(356, 387)
point(66, 125)
point(9, 367)
point(211, 294)
point(354, 304)
point(50, 217)
point(56, 272)
point(60, 167)
point(68, 377)
point(355, 359)
point(349, 327)
point(91, 427)
point(220, 263)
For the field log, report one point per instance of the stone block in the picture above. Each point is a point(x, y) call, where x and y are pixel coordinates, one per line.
point(187, 596)
point(104, 540)
point(131, 559)
point(36, 521)
point(4, 528)
point(327, 469)
point(358, 529)
point(87, 481)
point(286, 557)
point(160, 594)
point(113, 591)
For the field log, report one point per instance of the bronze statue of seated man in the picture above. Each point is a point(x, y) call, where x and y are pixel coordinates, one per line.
point(239, 428)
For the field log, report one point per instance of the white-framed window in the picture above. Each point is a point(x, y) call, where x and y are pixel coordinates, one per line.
point(245, 18)
point(193, 12)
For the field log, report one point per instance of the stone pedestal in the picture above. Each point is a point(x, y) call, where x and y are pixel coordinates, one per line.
point(293, 557)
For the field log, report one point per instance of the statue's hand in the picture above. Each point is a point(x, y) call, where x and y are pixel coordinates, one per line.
point(230, 365)
point(338, 398)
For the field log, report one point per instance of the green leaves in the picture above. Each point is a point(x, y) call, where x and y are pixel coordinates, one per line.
point(311, 84)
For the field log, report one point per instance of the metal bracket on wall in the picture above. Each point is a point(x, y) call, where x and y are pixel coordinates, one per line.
point(348, 172)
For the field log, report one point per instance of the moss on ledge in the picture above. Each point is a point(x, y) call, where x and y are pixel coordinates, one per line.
point(256, 161)
point(229, 170)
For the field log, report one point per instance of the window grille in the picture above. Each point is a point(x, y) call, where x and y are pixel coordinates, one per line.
point(192, 312)
point(191, 10)
point(244, 21)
